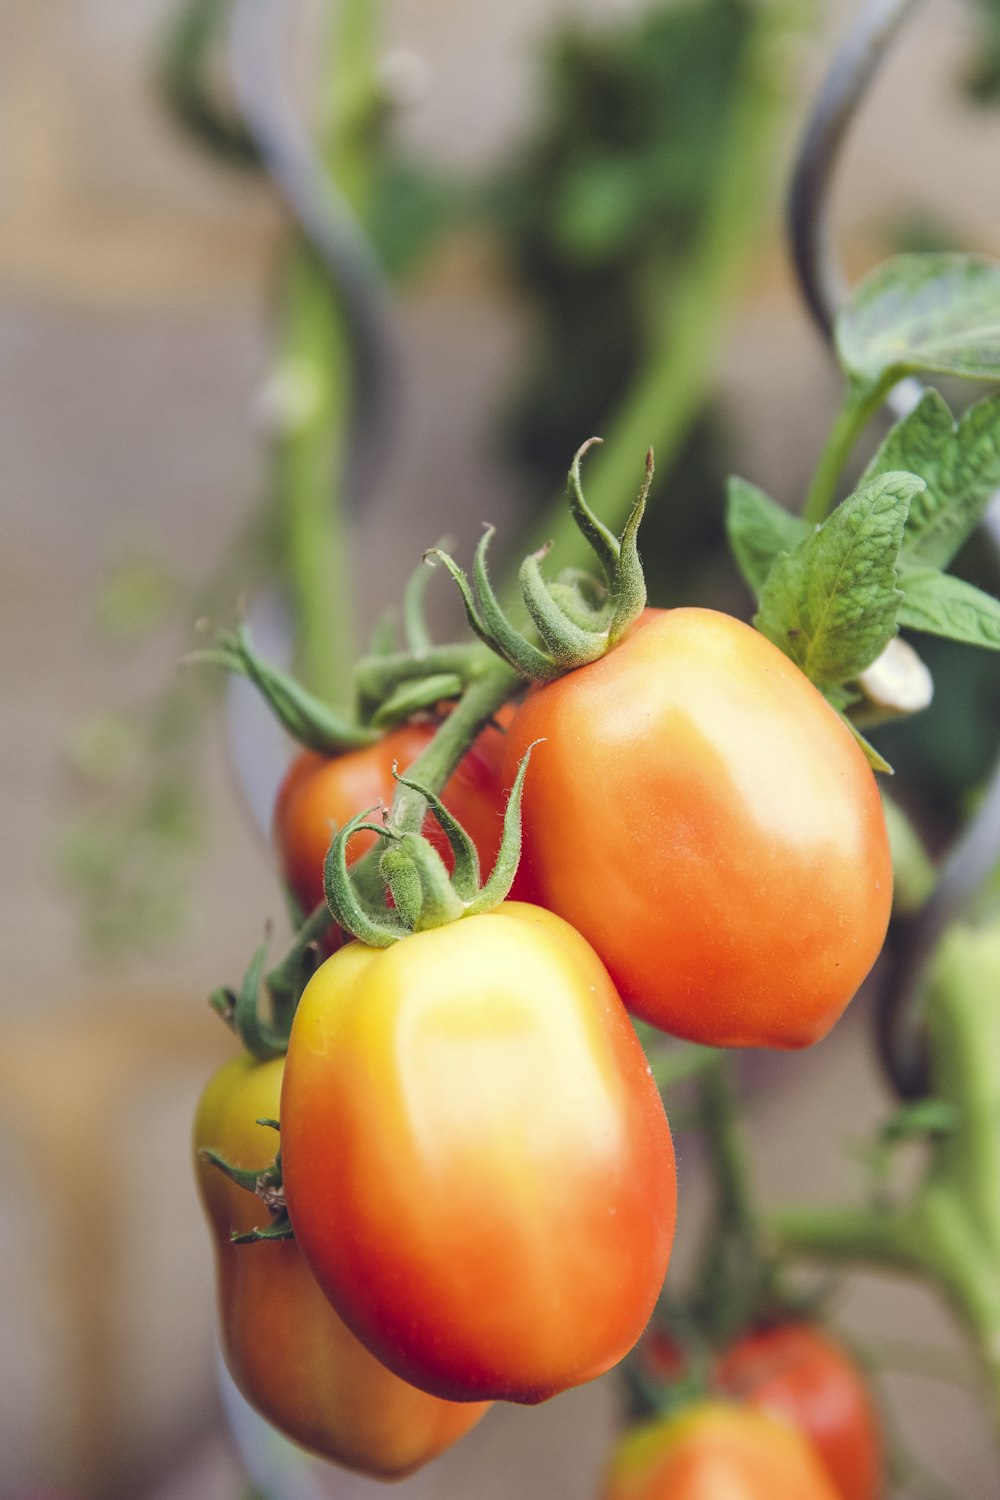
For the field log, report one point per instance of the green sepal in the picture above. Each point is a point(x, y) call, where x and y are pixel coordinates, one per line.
point(487, 619)
point(438, 902)
point(307, 719)
point(603, 543)
point(630, 584)
point(565, 638)
point(465, 874)
point(875, 760)
point(240, 1009)
point(375, 926)
point(281, 1229)
point(244, 1177)
point(416, 697)
point(265, 1184)
point(508, 857)
point(415, 628)
point(578, 616)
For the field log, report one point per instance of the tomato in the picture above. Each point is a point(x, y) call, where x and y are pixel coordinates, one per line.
point(716, 1451)
point(796, 1371)
point(476, 1160)
point(705, 819)
point(286, 1348)
point(320, 790)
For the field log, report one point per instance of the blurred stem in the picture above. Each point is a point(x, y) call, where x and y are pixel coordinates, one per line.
point(311, 459)
point(688, 317)
point(731, 1272)
point(860, 404)
point(949, 1234)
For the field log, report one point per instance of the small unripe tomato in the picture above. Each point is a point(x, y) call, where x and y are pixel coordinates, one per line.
point(716, 1451)
point(320, 793)
point(700, 813)
point(476, 1160)
point(795, 1370)
point(287, 1350)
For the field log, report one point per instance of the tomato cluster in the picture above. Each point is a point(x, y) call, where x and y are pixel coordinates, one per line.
point(475, 1159)
point(797, 1372)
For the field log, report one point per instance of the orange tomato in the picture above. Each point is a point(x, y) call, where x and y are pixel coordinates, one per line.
point(320, 793)
point(476, 1160)
point(287, 1350)
point(796, 1371)
point(716, 1451)
point(702, 816)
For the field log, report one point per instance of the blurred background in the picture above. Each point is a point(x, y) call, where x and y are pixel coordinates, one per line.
point(543, 191)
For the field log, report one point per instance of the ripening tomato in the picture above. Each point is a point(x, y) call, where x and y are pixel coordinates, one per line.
point(320, 793)
point(702, 816)
point(287, 1350)
point(716, 1451)
point(797, 1371)
point(476, 1160)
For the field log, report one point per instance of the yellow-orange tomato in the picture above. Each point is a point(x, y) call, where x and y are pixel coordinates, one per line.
point(286, 1349)
point(797, 1371)
point(476, 1161)
point(702, 816)
point(716, 1451)
point(320, 793)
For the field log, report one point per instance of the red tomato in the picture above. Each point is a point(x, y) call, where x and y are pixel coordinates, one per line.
point(286, 1348)
point(794, 1370)
point(715, 1451)
point(476, 1160)
point(703, 817)
point(321, 793)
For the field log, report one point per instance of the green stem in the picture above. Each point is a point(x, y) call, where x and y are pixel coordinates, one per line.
point(731, 1274)
point(485, 695)
point(377, 677)
point(315, 361)
point(690, 317)
point(488, 689)
point(950, 1234)
point(859, 406)
point(311, 457)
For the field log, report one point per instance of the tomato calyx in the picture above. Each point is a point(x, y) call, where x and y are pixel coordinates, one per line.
point(266, 1184)
point(307, 718)
point(241, 1008)
point(424, 894)
point(578, 616)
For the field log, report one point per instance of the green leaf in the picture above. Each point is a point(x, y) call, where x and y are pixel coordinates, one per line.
point(939, 604)
point(923, 312)
point(831, 604)
point(960, 464)
point(875, 760)
point(759, 530)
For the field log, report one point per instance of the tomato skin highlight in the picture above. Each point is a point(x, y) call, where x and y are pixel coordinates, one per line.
point(797, 1371)
point(322, 790)
point(703, 817)
point(712, 1450)
point(287, 1350)
point(476, 1160)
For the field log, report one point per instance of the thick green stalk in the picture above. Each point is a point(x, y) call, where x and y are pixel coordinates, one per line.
point(949, 1234)
point(317, 364)
point(486, 693)
point(688, 318)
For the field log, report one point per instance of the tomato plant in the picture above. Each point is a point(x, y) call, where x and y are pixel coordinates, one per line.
point(320, 791)
point(797, 1371)
point(286, 1349)
point(712, 1450)
point(476, 1160)
point(702, 816)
